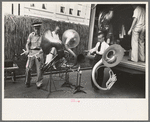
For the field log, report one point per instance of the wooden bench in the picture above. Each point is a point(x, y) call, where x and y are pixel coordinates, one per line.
point(10, 69)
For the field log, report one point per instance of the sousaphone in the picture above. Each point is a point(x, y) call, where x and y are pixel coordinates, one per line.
point(111, 57)
point(70, 39)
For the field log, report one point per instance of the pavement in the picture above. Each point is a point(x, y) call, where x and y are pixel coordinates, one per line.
point(127, 86)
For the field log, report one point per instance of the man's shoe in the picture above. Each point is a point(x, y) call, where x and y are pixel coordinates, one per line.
point(39, 84)
point(27, 85)
point(38, 87)
point(130, 60)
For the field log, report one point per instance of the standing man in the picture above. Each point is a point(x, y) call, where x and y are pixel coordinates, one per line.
point(35, 54)
point(138, 34)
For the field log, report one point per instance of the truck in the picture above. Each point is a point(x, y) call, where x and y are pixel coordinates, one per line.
point(121, 22)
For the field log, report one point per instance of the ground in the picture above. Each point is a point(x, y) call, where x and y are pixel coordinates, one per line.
point(127, 86)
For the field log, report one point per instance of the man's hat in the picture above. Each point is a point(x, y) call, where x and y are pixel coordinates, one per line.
point(37, 24)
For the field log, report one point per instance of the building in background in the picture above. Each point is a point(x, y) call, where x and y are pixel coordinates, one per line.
point(68, 12)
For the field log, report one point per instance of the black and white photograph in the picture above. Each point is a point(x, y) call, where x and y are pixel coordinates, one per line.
point(75, 60)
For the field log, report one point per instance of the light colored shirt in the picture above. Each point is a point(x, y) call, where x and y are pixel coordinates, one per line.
point(139, 13)
point(34, 40)
point(104, 46)
point(56, 36)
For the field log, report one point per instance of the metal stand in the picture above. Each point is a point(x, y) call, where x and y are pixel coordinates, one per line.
point(78, 86)
point(67, 83)
point(49, 84)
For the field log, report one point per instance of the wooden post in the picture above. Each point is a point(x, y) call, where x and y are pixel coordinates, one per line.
point(91, 25)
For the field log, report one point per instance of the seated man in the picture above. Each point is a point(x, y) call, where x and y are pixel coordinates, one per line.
point(98, 51)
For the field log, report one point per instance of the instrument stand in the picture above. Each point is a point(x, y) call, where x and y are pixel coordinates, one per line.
point(78, 86)
point(49, 84)
point(67, 83)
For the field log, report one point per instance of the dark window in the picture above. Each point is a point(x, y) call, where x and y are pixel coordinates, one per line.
point(62, 9)
point(32, 5)
point(43, 6)
point(71, 11)
point(79, 13)
point(18, 9)
point(12, 9)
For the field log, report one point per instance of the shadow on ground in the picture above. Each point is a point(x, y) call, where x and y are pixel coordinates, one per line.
point(127, 86)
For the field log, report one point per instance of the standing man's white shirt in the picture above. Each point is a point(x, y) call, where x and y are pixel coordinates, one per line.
point(139, 13)
point(56, 36)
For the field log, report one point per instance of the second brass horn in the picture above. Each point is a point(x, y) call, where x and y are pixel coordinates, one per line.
point(75, 39)
point(70, 40)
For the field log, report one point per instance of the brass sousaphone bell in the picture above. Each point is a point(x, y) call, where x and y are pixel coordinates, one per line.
point(71, 39)
point(111, 57)
point(74, 41)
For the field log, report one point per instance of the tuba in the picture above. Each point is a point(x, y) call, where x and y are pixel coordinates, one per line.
point(104, 16)
point(70, 39)
point(48, 42)
point(111, 57)
point(49, 45)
